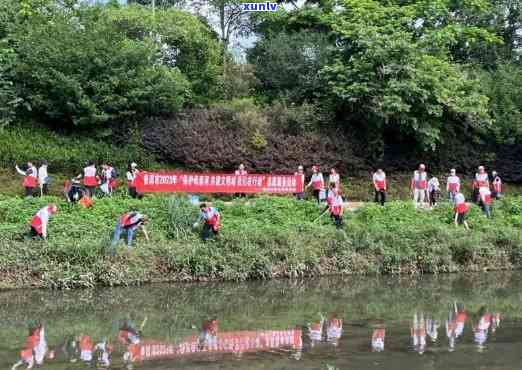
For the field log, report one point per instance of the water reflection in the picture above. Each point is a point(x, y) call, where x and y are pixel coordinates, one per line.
point(210, 340)
point(281, 329)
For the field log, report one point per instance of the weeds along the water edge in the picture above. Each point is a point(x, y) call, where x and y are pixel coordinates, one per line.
point(266, 238)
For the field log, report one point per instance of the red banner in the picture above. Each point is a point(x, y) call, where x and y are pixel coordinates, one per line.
point(147, 182)
point(227, 342)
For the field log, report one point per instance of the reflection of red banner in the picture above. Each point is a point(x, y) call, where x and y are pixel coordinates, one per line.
point(217, 183)
point(226, 342)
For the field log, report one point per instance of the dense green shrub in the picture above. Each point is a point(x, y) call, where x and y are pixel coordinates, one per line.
point(64, 153)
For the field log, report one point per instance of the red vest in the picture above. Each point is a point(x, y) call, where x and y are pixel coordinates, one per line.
point(29, 181)
point(461, 208)
point(497, 185)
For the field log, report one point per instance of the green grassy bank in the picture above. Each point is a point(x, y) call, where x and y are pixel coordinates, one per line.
point(270, 237)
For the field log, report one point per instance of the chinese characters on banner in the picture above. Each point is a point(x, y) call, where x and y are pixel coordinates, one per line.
point(226, 342)
point(147, 182)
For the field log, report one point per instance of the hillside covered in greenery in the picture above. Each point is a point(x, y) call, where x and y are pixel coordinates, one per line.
point(351, 83)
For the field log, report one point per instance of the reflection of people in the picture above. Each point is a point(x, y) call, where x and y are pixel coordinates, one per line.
point(130, 337)
point(451, 329)
point(495, 322)
point(315, 331)
point(460, 319)
point(418, 333)
point(334, 330)
point(103, 351)
point(27, 352)
point(481, 328)
point(378, 336)
point(432, 329)
point(208, 334)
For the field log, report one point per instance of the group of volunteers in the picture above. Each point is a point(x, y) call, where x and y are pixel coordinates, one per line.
point(84, 184)
point(425, 191)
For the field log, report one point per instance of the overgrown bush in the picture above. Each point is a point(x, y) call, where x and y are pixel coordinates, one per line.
point(215, 139)
point(64, 153)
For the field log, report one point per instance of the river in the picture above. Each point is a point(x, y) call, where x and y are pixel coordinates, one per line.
point(430, 322)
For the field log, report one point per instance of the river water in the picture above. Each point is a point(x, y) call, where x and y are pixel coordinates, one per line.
point(431, 322)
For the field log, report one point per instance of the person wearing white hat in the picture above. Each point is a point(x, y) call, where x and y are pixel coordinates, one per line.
point(132, 173)
point(419, 185)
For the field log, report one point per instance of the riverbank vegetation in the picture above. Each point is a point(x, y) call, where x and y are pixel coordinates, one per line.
point(268, 237)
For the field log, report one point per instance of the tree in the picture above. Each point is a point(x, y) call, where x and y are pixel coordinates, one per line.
point(80, 70)
point(386, 72)
point(9, 99)
point(288, 65)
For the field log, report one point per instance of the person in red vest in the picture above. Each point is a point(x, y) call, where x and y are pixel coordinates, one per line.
point(86, 349)
point(106, 179)
point(130, 337)
point(378, 336)
point(334, 178)
point(453, 185)
point(334, 330)
point(90, 179)
point(300, 172)
point(132, 174)
point(460, 210)
point(317, 183)
point(379, 184)
point(336, 207)
point(211, 219)
point(129, 222)
point(496, 185)
point(481, 180)
point(27, 357)
point(40, 221)
point(241, 172)
point(485, 201)
point(419, 185)
point(315, 331)
point(30, 180)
